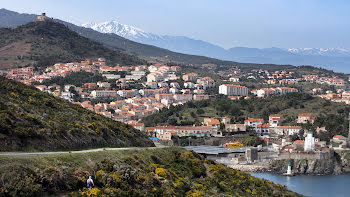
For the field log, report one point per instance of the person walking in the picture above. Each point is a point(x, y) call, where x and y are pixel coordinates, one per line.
point(90, 183)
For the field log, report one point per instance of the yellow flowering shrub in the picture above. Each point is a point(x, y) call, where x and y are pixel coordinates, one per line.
point(99, 173)
point(161, 172)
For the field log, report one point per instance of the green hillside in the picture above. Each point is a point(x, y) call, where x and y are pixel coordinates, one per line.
point(45, 43)
point(157, 172)
point(34, 120)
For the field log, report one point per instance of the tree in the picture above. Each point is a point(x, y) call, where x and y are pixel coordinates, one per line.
point(172, 121)
point(111, 110)
point(200, 111)
point(193, 114)
point(253, 141)
point(294, 137)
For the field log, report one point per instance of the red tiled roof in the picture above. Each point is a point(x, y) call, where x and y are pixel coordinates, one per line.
point(288, 127)
point(338, 136)
point(305, 115)
point(298, 142)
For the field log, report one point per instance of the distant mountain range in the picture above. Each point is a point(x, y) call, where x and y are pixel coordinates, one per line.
point(337, 59)
point(177, 48)
point(10, 19)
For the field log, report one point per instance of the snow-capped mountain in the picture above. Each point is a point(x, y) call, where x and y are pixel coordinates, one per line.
point(330, 58)
point(321, 51)
point(175, 43)
point(122, 30)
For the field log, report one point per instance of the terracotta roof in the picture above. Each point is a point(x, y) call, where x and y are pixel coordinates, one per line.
point(276, 115)
point(263, 125)
point(298, 142)
point(288, 127)
point(338, 136)
point(305, 114)
point(254, 120)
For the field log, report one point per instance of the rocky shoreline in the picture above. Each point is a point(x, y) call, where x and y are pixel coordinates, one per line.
point(337, 165)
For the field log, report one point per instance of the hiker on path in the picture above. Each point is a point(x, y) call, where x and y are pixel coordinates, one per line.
point(90, 183)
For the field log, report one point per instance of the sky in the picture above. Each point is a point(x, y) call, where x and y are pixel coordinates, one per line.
point(227, 23)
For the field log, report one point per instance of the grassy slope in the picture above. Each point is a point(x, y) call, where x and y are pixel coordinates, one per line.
point(33, 120)
point(158, 172)
point(52, 42)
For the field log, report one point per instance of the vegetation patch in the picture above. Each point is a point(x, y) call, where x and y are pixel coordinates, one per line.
point(157, 172)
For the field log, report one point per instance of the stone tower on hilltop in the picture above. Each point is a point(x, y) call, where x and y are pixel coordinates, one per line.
point(43, 17)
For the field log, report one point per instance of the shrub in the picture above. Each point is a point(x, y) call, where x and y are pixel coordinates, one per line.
point(161, 172)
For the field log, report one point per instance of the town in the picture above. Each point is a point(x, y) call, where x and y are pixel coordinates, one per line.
point(129, 93)
point(244, 101)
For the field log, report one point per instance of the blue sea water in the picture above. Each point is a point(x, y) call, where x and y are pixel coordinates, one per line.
point(312, 185)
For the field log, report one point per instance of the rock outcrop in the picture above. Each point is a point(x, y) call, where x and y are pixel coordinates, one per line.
point(339, 164)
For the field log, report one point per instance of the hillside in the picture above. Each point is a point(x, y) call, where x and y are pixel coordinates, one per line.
point(329, 114)
point(45, 43)
point(33, 120)
point(157, 172)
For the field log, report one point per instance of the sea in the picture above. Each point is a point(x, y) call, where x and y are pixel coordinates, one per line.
point(312, 185)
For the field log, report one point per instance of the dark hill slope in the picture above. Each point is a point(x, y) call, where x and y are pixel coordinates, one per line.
point(46, 43)
point(33, 120)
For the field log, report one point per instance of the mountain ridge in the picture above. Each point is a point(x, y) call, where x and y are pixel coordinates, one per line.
point(331, 58)
point(49, 42)
point(137, 34)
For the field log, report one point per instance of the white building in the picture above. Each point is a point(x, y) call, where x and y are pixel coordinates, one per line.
point(103, 93)
point(111, 76)
point(287, 130)
point(309, 144)
point(233, 90)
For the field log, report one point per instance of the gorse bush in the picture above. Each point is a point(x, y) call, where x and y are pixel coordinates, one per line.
point(133, 173)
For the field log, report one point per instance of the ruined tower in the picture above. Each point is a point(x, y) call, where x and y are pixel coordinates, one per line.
point(42, 17)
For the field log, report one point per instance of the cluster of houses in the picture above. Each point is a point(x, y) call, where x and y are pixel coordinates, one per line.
point(237, 90)
point(157, 88)
point(289, 77)
point(340, 96)
point(27, 75)
point(211, 127)
point(265, 92)
point(274, 125)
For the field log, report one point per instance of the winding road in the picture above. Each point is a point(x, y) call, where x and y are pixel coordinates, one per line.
point(79, 151)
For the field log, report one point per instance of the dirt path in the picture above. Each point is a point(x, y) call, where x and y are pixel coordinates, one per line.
point(75, 152)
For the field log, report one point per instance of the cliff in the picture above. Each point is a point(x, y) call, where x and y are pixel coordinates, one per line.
point(339, 164)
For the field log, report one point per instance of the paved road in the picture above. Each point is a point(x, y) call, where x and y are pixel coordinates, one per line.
point(75, 152)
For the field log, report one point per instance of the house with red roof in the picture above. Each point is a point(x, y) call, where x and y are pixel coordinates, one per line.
point(252, 122)
point(275, 120)
point(305, 119)
point(262, 129)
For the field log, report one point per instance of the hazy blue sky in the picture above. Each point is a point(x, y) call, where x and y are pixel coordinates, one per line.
point(228, 23)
